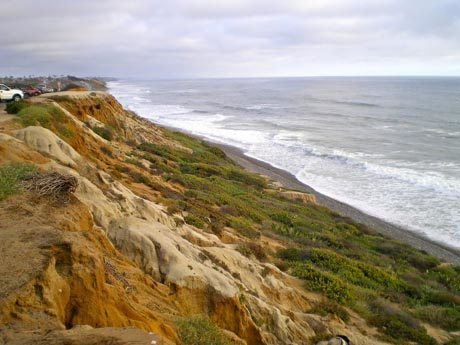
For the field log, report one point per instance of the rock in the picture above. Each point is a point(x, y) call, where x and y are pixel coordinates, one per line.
point(306, 198)
point(45, 141)
point(167, 256)
point(15, 150)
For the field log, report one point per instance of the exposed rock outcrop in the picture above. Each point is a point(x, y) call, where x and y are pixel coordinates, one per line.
point(306, 198)
point(44, 141)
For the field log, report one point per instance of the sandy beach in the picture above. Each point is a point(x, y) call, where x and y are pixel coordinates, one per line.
point(389, 230)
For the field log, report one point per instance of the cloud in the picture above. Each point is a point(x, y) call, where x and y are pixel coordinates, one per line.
point(194, 38)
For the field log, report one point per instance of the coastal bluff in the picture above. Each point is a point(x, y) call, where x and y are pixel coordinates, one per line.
point(164, 234)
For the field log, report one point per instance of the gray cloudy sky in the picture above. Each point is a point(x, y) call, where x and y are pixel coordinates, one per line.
point(226, 38)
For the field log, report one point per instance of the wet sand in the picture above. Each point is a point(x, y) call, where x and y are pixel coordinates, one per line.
point(389, 230)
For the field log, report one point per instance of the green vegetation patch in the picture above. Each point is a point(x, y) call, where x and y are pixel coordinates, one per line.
point(16, 107)
point(252, 249)
point(447, 318)
point(11, 175)
point(65, 131)
point(397, 324)
point(194, 220)
point(317, 280)
point(45, 115)
point(454, 341)
point(199, 330)
point(327, 307)
point(448, 276)
point(105, 132)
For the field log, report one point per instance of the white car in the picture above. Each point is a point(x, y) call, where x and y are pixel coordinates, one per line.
point(9, 94)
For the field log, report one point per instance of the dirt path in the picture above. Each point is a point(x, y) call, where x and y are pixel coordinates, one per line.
point(3, 115)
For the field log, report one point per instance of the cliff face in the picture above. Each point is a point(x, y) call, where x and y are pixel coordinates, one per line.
point(114, 256)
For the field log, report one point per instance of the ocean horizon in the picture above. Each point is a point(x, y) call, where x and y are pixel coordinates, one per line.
point(388, 146)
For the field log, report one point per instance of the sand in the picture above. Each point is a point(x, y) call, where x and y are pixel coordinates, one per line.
point(389, 230)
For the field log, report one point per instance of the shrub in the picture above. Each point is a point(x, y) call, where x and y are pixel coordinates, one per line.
point(16, 107)
point(44, 115)
point(137, 176)
point(131, 142)
point(453, 341)
point(246, 178)
point(449, 276)
point(65, 131)
point(200, 169)
point(394, 329)
point(317, 280)
point(107, 151)
point(194, 220)
point(244, 226)
point(104, 132)
point(447, 318)
point(251, 248)
point(199, 330)
point(11, 175)
point(330, 307)
point(284, 218)
point(381, 277)
point(396, 324)
point(159, 150)
point(443, 298)
point(57, 186)
point(341, 265)
point(293, 254)
point(402, 252)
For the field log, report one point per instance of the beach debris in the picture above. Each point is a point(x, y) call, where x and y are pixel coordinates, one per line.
point(55, 185)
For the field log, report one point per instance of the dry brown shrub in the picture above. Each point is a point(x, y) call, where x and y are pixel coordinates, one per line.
point(55, 185)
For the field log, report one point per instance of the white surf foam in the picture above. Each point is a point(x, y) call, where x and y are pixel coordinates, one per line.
point(420, 195)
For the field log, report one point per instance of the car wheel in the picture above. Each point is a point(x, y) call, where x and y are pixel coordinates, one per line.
point(17, 98)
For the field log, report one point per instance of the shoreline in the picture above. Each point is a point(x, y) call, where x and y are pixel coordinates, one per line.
point(439, 250)
point(418, 241)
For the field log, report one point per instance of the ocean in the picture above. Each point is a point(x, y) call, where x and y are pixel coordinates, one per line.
point(389, 146)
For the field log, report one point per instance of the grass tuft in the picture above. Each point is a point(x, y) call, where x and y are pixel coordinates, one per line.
point(104, 132)
point(45, 115)
point(10, 177)
point(199, 330)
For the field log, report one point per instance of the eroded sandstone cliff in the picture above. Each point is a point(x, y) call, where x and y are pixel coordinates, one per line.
point(114, 256)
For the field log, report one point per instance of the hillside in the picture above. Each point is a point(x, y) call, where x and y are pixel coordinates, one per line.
point(116, 231)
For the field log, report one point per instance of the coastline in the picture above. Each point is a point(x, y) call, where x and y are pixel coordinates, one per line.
point(418, 241)
point(439, 250)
